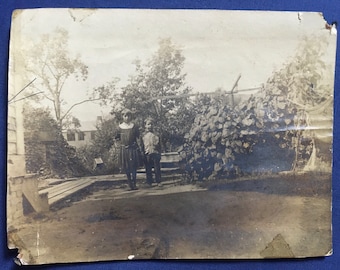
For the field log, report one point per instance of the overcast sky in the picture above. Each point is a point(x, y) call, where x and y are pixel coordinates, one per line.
point(217, 45)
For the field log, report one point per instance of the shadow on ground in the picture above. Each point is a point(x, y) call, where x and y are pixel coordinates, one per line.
point(303, 184)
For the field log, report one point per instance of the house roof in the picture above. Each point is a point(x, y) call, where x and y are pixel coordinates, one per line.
point(88, 126)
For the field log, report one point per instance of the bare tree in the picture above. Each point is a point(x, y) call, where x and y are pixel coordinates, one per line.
point(51, 63)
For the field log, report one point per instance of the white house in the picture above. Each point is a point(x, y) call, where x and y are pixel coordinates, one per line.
point(83, 135)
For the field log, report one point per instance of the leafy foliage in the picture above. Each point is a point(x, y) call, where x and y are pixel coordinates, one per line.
point(269, 127)
point(161, 77)
point(106, 93)
point(46, 150)
point(102, 147)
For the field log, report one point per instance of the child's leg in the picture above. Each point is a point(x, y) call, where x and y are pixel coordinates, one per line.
point(157, 166)
point(129, 180)
point(148, 168)
point(134, 178)
point(133, 167)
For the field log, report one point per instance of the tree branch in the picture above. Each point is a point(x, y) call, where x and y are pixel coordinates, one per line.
point(47, 97)
point(45, 64)
point(27, 85)
point(76, 104)
point(16, 100)
point(62, 84)
point(49, 68)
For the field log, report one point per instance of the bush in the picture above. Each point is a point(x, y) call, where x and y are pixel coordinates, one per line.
point(47, 152)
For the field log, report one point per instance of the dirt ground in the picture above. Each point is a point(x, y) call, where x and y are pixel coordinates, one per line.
point(275, 216)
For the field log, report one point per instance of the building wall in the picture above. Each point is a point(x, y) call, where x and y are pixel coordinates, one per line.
point(21, 188)
point(23, 197)
point(78, 140)
point(15, 138)
point(14, 201)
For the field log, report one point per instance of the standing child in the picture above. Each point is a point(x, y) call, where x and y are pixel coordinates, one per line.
point(152, 153)
point(129, 149)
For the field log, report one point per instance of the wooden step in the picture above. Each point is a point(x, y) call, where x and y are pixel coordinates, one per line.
point(170, 157)
point(163, 170)
point(62, 186)
point(64, 190)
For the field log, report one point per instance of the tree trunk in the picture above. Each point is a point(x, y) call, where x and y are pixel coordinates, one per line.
point(57, 109)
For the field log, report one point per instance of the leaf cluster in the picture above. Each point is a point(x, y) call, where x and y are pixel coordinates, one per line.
point(223, 135)
point(46, 150)
point(155, 91)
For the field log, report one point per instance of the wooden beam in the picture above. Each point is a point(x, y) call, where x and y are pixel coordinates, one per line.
point(215, 93)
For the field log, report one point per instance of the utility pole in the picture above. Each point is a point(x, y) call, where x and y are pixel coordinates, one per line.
point(232, 90)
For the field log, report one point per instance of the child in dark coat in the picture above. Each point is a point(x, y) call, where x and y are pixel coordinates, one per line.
point(128, 159)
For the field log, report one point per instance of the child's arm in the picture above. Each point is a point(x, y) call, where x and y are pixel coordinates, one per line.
point(139, 140)
point(157, 143)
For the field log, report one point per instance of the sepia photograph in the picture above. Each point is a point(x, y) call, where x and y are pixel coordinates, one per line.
point(139, 134)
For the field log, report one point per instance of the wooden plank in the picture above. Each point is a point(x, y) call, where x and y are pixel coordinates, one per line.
point(57, 187)
point(73, 185)
point(68, 193)
point(170, 157)
point(61, 191)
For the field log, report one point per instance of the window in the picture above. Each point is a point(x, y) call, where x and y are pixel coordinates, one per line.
point(81, 136)
point(71, 136)
point(93, 135)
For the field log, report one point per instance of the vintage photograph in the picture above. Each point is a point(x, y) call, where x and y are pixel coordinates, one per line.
point(169, 134)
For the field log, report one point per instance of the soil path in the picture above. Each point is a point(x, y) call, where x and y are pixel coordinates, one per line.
point(230, 220)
